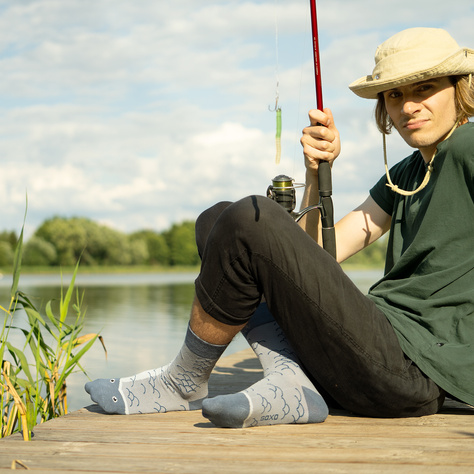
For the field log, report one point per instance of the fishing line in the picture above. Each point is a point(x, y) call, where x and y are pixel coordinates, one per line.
point(298, 127)
point(277, 108)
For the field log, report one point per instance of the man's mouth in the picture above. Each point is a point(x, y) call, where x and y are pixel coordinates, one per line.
point(415, 124)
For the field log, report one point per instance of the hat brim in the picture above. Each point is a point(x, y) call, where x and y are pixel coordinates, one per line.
point(459, 64)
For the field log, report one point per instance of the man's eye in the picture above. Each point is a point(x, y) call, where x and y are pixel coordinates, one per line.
point(425, 87)
point(394, 94)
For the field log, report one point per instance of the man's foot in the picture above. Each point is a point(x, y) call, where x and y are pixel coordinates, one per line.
point(181, 385)
point(281, 398)
point(285, 394)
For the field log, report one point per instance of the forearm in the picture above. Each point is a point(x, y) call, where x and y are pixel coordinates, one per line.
point(310, 222)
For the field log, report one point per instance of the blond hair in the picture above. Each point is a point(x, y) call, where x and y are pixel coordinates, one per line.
point(463, 97)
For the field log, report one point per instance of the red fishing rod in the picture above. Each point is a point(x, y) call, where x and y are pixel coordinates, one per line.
point(282, 189)
point(325, 205)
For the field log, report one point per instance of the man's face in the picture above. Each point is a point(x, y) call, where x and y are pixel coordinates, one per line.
point(423, 113)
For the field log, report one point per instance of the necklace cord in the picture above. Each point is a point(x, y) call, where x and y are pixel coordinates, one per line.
point(429, 168)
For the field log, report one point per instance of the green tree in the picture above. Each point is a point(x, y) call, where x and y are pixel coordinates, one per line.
point(95, 251)
point(10, 237)
point(95, 244)
point(6, 254)
point(7, 245)
point(38, 252)
point(139, 254)
point(158, 251)
point(68, 236)
point(62, 241)
point(182, 244)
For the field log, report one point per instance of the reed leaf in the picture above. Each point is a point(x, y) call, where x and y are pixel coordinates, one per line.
point(17, 258)
point(49, 313)
point(22, 361)
point(22, 388)
point(19, 404)
point(34, 317)
point(17, 265)
point(71, 364)
point(64, 303)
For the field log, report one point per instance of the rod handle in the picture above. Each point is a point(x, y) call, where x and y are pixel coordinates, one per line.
point(325, 179)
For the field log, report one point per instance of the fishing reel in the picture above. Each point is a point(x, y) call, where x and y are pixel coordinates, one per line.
point(283, 191)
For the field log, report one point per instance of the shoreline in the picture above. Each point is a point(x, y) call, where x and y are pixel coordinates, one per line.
point(85, 270)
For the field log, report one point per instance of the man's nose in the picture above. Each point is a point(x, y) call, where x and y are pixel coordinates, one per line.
point(410, 106)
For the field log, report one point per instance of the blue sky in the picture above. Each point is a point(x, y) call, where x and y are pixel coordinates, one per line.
point(138, 114)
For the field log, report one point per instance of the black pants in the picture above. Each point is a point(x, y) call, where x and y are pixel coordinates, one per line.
point(253, 249)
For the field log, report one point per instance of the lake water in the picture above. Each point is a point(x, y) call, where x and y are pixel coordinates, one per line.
point(142, 318)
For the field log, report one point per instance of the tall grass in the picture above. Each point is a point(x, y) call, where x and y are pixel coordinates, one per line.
point(32, 393)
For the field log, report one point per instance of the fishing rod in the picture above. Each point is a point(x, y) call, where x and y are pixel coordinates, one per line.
point(324, 168)
point(282, 189)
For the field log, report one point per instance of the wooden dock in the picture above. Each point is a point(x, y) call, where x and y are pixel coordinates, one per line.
point(185, 442)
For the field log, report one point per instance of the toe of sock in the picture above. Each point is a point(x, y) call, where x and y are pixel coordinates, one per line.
point(105, 392)
point(317, 407)
point(227, 411)
point(87, 387)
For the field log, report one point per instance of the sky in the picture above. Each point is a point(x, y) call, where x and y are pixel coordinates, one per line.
point(142, 113)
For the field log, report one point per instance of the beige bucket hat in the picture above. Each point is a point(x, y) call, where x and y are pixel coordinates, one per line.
point(414, 55)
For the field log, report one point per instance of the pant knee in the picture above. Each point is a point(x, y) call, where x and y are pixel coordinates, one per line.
point(205, 222)
point(253, 213)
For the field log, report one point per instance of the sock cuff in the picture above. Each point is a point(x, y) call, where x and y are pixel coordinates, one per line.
point(261, 316)
point(202, 348)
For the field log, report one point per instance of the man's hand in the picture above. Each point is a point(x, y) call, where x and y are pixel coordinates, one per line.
point(320, 140)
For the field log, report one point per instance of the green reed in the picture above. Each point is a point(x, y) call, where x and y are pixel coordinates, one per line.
point(32, 393)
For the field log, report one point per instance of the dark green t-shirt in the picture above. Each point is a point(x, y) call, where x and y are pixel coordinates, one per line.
point(427, 291)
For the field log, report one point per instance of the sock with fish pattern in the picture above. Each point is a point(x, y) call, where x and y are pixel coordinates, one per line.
point(285, 395)
point(181, 385)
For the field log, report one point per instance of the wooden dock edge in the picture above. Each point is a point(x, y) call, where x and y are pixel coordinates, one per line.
point(88, 440)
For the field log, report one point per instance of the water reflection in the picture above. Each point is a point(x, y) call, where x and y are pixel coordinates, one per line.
point(142, 318)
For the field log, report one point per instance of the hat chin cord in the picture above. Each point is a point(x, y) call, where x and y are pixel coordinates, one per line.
point(429, 168)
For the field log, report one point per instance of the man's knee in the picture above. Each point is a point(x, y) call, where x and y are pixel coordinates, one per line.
point(254, 210)
point(205, 222)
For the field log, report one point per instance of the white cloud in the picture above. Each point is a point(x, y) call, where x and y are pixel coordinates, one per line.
point(141, 114)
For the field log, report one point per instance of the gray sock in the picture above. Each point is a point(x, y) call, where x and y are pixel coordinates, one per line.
point(285, 395)
point(181, 385)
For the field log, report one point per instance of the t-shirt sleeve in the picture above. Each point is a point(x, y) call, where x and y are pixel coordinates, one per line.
point(383, 195)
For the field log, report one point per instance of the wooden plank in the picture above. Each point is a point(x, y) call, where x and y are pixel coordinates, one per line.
point(91, 441)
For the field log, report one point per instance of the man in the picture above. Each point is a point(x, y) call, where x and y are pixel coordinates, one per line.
point(395, 352)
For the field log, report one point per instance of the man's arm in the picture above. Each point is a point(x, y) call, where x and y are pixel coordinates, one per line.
point(360, 228)
point(363, 225)
point(311, 221)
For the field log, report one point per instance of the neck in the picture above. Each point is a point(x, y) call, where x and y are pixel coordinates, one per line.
point(429, 152)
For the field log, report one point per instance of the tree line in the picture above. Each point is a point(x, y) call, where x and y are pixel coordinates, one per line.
point(63, 241)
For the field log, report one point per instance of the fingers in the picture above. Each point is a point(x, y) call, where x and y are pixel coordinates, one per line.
point(319, 117)
point(320, 140)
